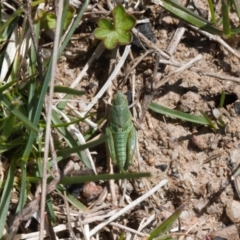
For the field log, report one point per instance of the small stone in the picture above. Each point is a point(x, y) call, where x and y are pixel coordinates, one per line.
point(233, 211)
point(91, 190)
point(151, 160)
point(162, 167)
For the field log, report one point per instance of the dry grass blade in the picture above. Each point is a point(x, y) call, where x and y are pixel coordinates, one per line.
point(179, 70)
point(128, 207)
point(109, 81)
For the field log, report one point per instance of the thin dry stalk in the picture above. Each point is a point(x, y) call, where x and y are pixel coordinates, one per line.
point(176, 38)
point(128, 207)
point(49, 114)
point(217, 39)
point(179, 70)
point(150, 44)
point(97, 53)
point(202, 71)
point(109, 81)
point(134, 63)
point(128, 229)
point(145, 222)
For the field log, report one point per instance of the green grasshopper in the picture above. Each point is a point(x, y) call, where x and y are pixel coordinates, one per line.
point(122, 136)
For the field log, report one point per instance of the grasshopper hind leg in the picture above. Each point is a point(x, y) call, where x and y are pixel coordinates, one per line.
point(131, 146)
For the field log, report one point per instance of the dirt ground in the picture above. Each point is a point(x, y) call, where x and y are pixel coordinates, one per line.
point(197, 161)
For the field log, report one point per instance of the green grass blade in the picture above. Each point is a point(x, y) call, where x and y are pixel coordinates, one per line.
point(210, 122)
point(167, 237)
point(6, 146)
point(16, 14)
point(236, 4)
point(5, 25)
point(104, 177)
point(7, 86)
point(212, 12)
point(50, 209)
point(71, 198)
point(177, 114)
point(6, 195)
point(72, 143)
point(226, 20)
point(18, 114)
point(222, 100)
point(46, 81)
point(68, 151)
point(167, 224)
point(23, 193)
point(75, 202)
point(73, 27)
point(66, 124)
point(7, 127)
point(189, 16)
point(235, 31)
point(67, 90)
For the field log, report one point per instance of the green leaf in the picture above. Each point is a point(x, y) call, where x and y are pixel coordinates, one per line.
point(118, 32)
point(177, 114)
point(189, 16)
point(226, 20)
point(48, 19)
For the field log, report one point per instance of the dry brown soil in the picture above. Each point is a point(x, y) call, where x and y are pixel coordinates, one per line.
point(197, 161)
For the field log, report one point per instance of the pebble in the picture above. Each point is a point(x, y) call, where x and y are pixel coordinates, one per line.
point(233, 211)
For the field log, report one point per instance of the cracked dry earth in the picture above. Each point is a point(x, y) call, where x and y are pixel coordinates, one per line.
point(197, 161)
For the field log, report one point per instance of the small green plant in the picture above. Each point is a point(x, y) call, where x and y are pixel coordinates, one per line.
point(203, 120)
point(118, 31)
point(48, 19)
point(160, 232)
point(222, 27)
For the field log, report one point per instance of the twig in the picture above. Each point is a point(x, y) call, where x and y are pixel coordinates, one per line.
point(179, 70)
point(111, 184)
point(112, 66)
point(70, 229)
point(176, 38)
point(24, 215)
point(109, 81)
point(148, 96)
point(129, 229)
point(49, 114)
point(202, 71)
point(28, 13)
point(97, 53)
point(86, 120)
point(146, 222)
point(217, 39)
point(128, 207)
point(135, 62)
point(150, 44)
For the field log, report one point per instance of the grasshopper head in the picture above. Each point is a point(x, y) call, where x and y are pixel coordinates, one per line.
point(119, 99)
